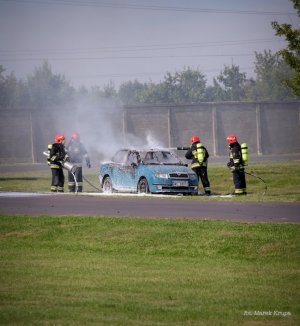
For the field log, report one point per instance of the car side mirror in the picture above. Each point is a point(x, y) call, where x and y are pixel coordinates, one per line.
point(134, 165)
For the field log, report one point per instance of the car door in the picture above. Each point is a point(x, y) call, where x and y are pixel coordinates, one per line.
point(124, 172)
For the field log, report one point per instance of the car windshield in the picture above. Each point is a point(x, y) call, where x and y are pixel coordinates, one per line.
point(160, 157)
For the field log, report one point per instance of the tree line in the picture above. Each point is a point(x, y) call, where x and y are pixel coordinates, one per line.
point(44, 89)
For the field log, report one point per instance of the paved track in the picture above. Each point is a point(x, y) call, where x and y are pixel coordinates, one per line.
point(68, 204)
point(84, 205)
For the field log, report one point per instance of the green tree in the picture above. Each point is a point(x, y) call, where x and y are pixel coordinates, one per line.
point(154, 94)
point(230, 84)
point(103, 98)
point(186, 86)
point(130, 92)
point(47, 89)
point(291, 54)
point(270, 71)
point(109, 91)
point(215, 93)
point(8, 89)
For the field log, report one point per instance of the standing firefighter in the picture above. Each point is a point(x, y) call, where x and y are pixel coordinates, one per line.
point(199, 155)
point(237, 165)
point(57, 155)
point(77, 153)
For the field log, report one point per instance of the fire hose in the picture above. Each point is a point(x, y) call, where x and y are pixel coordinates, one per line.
point(259, 178)
point(179, 148)
point(87, 181)
point(255, 176)
point(182, 148)
point(69, 167)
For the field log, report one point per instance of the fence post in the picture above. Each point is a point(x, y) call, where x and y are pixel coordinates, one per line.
point(125, 126)
point(169, 128)
point(258, 130)
point(214, 129)
point(31, 137)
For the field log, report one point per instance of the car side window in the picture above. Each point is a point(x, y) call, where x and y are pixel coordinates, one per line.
point(132, 158)
point(120, 157)
point(148, 157)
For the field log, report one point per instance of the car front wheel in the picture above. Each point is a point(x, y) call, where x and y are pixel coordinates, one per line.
point(107, 185)
point(142, 187)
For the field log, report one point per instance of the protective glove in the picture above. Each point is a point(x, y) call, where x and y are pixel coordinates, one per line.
point(235, 168)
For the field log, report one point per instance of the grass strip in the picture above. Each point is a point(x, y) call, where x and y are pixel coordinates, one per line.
point(282, 181)
point(109, 271)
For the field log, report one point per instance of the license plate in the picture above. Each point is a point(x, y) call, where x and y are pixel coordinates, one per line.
point(180, 183)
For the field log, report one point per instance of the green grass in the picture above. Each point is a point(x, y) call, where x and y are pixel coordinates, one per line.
point(283, 180)
point(109, 271)
point(40, 181)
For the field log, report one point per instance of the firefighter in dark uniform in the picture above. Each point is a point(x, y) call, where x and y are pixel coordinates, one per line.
point(77, 153)
point(199, 156)
point(236, 164)
point(57, 155)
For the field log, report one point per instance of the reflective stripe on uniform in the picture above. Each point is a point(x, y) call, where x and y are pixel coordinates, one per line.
point(197, 164)
point(239, 191)
point(55, 166)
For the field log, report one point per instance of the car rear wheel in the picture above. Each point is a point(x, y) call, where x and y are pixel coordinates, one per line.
point(143, 187)
point(107, 185)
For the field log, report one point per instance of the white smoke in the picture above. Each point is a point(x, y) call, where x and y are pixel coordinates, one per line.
point(152, 142)
point(101, 130)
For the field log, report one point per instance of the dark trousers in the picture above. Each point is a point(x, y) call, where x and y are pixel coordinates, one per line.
point(72, 182)
point(203, 176)
point(58, 180)
point(239, 180)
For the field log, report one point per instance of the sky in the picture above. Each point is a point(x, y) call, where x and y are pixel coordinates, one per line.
point(98, 42)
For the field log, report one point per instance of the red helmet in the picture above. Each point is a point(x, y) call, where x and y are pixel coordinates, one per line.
point(75, 136)
point(231, 139)
point(194, 139)
point(59, 138)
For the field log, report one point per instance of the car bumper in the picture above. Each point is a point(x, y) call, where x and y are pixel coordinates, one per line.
point(169, 188)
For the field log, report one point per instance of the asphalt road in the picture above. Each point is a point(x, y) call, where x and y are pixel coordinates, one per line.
point(29, 204)
point(79, 205)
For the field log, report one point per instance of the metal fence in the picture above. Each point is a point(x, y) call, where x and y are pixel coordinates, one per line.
point(267, 127)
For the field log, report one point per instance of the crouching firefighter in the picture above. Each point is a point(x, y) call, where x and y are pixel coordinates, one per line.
point(238, 156)
point(199, 156)
point(77, 153)
point(57, 155)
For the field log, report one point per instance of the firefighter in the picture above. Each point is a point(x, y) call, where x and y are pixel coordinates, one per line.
point(236, 164)
point(57, 155)
point(77, 153)
point(199, 156)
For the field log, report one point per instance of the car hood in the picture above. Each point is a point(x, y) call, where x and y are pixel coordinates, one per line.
point(167, 168)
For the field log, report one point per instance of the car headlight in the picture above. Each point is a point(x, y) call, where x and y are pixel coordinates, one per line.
point(162, 175)
point(193, 176)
